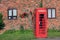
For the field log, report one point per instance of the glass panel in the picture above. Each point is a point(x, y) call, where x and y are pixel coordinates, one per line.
point(41, 16)
point(14, 17)
point(49, 13)
point(53, 13)
point(10, 12)
point(9, 17)
point(14, 12)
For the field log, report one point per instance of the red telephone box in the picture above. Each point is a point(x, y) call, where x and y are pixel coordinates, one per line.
point(41, 23)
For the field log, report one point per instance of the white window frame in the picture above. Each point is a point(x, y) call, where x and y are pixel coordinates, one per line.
point(50, 12)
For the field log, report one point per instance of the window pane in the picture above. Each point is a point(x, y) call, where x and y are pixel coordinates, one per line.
point(49, 13)
point(14, 12)
point(9, 17)
point(14, 17)
point(10, 12)
point(53, 13)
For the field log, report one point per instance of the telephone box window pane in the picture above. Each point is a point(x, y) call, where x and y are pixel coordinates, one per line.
point(10, 12)
point(53, 13)
point(49, 13)
point(41, 23)
point(14, 12)
point(41, 15)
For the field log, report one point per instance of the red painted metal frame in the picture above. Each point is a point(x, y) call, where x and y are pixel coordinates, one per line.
point(41, 33)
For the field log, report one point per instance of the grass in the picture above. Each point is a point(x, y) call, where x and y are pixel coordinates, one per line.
point(54, 33)
point(17, 35)
point(25, 35)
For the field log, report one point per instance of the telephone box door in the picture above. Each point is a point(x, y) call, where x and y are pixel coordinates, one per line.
point(41, 23)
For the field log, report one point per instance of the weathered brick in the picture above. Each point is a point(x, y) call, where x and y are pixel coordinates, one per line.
point(22, 6)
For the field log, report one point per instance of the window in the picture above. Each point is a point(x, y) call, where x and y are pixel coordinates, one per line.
point(12, 14)
point(51, 13)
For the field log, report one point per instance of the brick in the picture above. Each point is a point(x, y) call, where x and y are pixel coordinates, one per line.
point(22, 5)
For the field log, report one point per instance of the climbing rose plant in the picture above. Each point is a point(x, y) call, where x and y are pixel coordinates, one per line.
point(24, 15)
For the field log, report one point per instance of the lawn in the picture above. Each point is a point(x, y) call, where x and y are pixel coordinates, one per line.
point(25, 35)
point(17, 35)
point(54, 33)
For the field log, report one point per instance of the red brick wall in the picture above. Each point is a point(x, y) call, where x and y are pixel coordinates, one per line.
point(22, 6)
point(53, 4)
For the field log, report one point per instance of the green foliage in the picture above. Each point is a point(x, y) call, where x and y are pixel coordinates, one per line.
point(41, 5)
point(1, 22)
point(0, 1)
point(22, 28)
